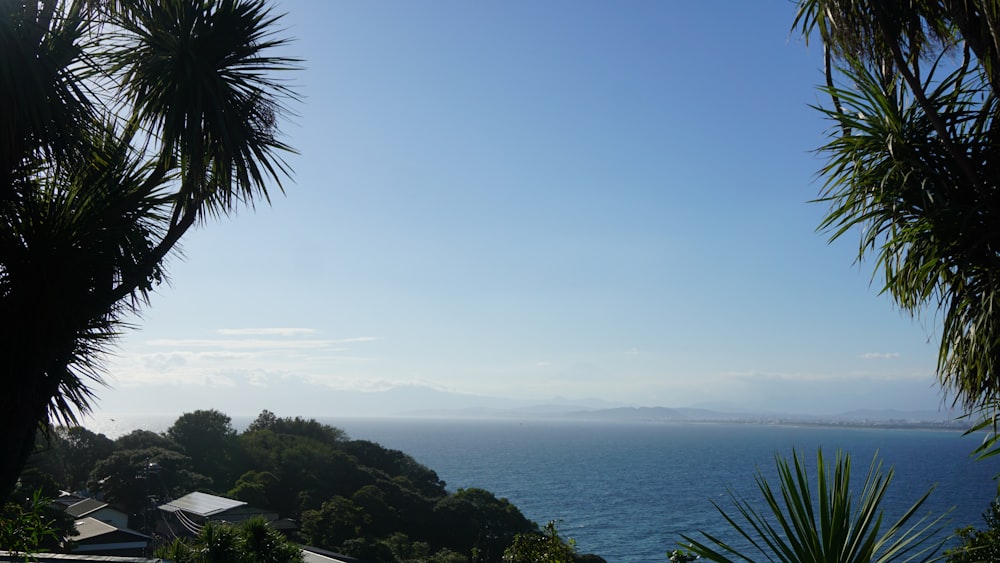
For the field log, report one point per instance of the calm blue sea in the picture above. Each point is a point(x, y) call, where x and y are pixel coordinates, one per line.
point(628, 491)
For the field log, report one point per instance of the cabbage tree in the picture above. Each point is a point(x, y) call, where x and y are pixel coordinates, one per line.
point(125, 124)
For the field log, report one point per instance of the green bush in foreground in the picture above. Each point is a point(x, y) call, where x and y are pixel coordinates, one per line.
point(794, 527)
point(543, 547)
point(25, 528)
point(253, 541)
point(979, 545)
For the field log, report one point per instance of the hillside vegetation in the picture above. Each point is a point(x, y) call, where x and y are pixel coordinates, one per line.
point(350, 496)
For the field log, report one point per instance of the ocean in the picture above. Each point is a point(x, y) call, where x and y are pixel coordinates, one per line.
point(628, 491)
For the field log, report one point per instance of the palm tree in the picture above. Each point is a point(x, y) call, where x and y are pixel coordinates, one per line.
point(795, 527)
point(913, 164)
point(252, 541)
point(126, 123)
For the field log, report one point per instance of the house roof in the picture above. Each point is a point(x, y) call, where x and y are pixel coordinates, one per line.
point(310, 557)
point(88, 528)
point(315, 555)
point(84, 507)
point(76, 558)
point(202, 504)
point(66, 499)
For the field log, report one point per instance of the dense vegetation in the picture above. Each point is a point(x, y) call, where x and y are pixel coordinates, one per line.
point(251, 541)
point(350, 496)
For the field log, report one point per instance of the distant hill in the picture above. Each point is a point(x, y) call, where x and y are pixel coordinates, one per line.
point(427, 402)
point(451, 405)
point(656, 414)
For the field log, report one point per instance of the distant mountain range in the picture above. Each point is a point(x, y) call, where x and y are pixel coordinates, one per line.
point(400, 401)
point(423, 401)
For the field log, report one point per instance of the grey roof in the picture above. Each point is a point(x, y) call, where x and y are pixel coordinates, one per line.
point(316, 555)
point(87, 528)
point(202, 504)
point(74, 558)
point(84, 507)
point(310, 557)
point(91, 528)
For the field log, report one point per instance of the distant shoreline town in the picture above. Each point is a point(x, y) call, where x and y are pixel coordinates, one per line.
point(888, 419)
point(872, 419)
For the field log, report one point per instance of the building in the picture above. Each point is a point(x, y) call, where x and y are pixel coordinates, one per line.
point(98, 510)
point(184, 517)
point(8, 557)
point(316, 555)
point(94, 537)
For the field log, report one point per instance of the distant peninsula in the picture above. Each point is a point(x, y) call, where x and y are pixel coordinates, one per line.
point(883, 419)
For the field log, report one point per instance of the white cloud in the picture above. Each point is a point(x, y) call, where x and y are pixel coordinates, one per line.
point(349, 382)
point(185, 377)
point(804, 377)
point(285, 331)
point(880, 355)
point(259, 378)
point(254, 343)
point(240, 362)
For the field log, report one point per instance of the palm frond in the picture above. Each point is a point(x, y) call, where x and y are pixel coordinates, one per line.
point(913, 166)
point(200, 77)
point(46, 106)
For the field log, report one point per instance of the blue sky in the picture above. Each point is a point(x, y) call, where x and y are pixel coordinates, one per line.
point(531, 200)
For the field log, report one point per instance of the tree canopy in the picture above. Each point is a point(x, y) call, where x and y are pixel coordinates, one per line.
point(208, 437)
point(125, 124)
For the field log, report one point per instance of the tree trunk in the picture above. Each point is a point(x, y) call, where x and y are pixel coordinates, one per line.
point(22, 406)
point(41, 322)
